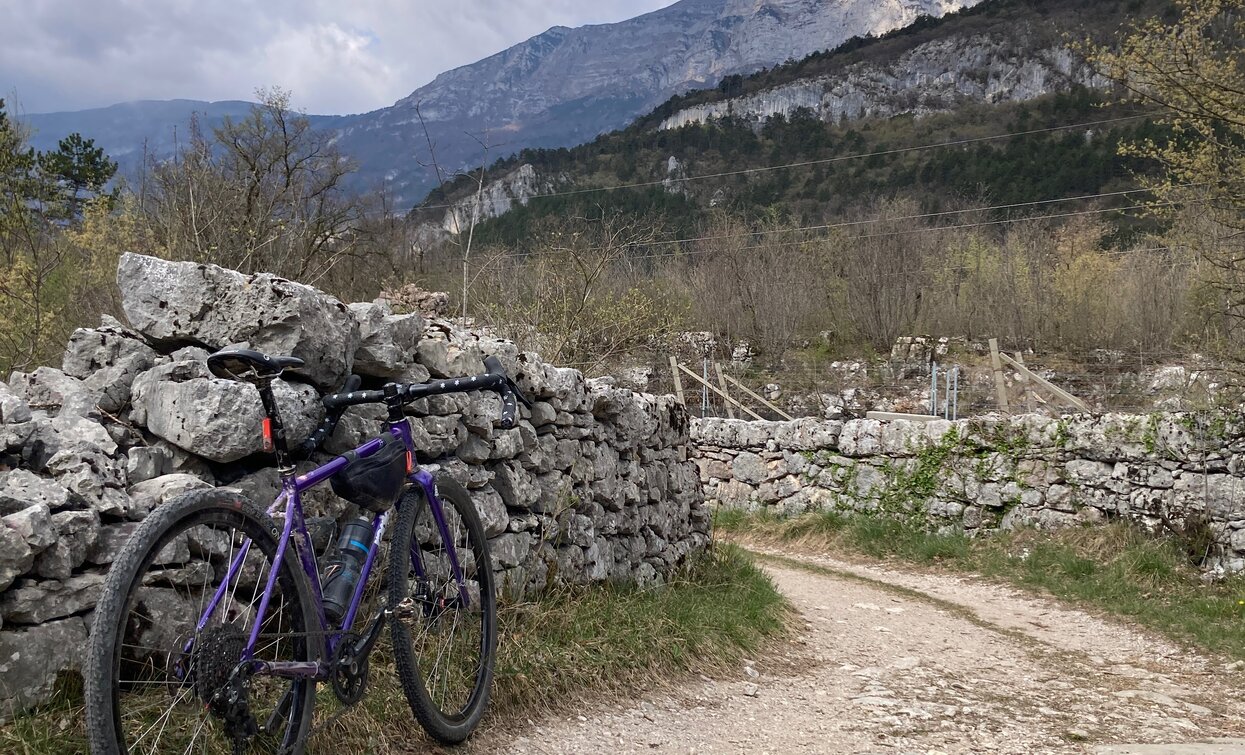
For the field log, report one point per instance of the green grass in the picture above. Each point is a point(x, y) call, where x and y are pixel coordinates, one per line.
point(571, 645)
point(1117, 568)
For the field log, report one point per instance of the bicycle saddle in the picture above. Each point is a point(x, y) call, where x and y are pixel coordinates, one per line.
point(241, 364)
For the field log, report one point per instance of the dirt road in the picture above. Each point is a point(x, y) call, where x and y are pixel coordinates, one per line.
point(901, 663)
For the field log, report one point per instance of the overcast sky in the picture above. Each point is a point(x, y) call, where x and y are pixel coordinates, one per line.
point(336, 56)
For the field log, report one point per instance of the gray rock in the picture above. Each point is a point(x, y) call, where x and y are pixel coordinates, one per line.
point(13, 408)
point(358, 424)
point(220, 419)
point(448, 352)
point(184, 302)
point(15, 556)
point(108, 359)
point(748, 467)
point(492, 511)
point(145, 462)
point(30, 601)
point(542, 414)
point(516, 487)
point(34, 524)
point(76, 534)
point(1086, 472)
point(510, 549)
point(388, 342)
point(109, 541)
point(474, 450)
point(51, 389)
point(507, 444)
point(93, 349)
point(89, 475)
point(30, 660)
point(149, 494)
point(20, 489)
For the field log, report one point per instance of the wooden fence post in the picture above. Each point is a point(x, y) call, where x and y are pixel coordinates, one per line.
point(730, 413)
point(1000, 387)
point(678, 384)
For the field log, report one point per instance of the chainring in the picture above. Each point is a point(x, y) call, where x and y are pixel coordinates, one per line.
point(349, 676)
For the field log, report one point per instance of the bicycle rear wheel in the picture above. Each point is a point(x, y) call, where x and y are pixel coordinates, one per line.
point(443, 646)
point(152, 674)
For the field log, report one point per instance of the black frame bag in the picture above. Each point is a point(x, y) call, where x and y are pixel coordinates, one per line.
point(374, 483)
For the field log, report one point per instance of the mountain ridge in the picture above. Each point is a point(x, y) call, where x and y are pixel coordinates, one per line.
point(559, 88)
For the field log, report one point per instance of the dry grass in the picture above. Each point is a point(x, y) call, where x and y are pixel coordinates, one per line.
point(571, 645)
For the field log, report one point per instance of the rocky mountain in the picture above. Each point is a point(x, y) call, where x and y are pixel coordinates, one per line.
point(130, 130)
point(559, 88)
point(565, 86)
point(996, 53)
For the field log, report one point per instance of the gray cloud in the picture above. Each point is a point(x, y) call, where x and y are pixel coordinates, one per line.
point(336, 57)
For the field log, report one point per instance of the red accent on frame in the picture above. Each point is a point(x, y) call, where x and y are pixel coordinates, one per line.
point(267, 435)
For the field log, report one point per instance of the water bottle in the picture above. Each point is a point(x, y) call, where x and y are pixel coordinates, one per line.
point(342, 573)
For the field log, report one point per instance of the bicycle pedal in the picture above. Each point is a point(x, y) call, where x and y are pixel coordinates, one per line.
point(404, 610)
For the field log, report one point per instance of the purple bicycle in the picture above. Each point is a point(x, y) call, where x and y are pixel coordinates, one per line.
point(217, 623)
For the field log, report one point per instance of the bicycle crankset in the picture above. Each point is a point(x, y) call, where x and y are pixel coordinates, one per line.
point(350, 666)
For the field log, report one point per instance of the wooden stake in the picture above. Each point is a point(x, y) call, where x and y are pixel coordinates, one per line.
point(698, 379)
point(1048, 385)
point(730, 413)
point(1000, 387)
point(678, 384)
point(745, 389)
point(1025, 392)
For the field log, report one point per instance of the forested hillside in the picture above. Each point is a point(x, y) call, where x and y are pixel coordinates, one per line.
point(1061, 144)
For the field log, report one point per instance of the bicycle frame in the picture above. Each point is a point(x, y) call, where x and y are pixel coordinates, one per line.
point(295, 529)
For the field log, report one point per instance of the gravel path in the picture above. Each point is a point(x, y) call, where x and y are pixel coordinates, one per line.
point(892, 662)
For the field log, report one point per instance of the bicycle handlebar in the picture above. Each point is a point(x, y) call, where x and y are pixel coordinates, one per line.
point(494, 378)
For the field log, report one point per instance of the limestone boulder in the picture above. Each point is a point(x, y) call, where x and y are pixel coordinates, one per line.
point(13, 408)
point(185, 303)
point(31, 601)
point(52, 390)
point(449, 352)
point(221, 419)
point(21, 489)
point(30, 660)
point(76, 533)
point(387, 342)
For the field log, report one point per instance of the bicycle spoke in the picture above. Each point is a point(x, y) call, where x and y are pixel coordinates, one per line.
point(168, 675)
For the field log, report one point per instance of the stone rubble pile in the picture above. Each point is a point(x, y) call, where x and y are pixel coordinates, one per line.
point(593, 484)
point(990, 473)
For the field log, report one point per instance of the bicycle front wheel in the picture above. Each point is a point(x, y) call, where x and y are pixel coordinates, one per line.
point(444, 634)
point(154, 668)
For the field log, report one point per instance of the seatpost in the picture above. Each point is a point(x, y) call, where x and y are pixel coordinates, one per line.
point(274, 429)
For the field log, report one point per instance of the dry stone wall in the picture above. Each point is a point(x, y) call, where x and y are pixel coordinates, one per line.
point(594, 483)
point(990, 473)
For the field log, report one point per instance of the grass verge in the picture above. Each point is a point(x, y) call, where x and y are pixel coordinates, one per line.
point(572, 644)
point(1116, 568)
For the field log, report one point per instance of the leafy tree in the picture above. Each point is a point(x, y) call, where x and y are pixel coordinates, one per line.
point(31, 258)
point(1194, 67)
point(79, 168)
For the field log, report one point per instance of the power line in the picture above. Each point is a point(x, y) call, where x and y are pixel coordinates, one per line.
point(848, 224)
point(808, 163)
